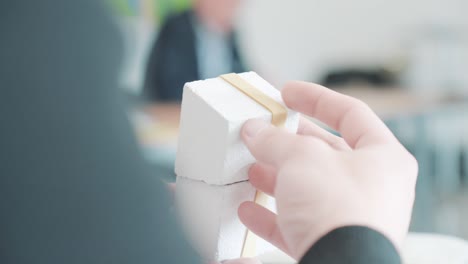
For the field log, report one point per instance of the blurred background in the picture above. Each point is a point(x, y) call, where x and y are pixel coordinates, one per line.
point(408, 59)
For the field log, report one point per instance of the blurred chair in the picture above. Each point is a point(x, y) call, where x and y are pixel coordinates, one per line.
point(373, 76)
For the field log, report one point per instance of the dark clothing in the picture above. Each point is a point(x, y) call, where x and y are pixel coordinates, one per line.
point(352, 245)
point(173, 59)
point(73, 185)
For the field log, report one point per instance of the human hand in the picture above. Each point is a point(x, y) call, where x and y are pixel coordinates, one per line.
point(321, 181)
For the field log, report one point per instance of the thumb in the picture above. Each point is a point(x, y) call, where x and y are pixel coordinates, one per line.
point(272, 145)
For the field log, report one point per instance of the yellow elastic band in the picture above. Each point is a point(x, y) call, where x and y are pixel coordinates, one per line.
point(279, 114)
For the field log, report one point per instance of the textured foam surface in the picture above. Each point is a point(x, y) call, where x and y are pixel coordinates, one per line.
point(213, 112)
point(209, 216)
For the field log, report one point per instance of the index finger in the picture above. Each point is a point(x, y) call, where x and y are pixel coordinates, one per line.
point(352, 118)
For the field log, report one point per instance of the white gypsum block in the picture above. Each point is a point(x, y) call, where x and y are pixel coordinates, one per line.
point(209, 217)
point(213, 111)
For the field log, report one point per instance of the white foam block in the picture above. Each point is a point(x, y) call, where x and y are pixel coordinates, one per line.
point(210, 148)
point(209, 216)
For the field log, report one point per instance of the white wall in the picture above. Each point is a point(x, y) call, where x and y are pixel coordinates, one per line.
point(299, 39)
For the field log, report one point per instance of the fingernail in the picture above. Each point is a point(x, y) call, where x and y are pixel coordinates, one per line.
point(253, 127)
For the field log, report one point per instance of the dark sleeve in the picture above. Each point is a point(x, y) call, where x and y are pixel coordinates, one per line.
point(172, 61)
point(352, 245)
point(153, 89)
point(73, 185)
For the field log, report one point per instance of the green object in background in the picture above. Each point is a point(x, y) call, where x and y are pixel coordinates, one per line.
point(166, 7)
point(161, 8)
point(122, 7)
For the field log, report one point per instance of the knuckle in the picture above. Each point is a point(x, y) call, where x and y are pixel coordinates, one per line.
point(408, 163)
point(412, 163)
point(338, 143)
point(359, 105)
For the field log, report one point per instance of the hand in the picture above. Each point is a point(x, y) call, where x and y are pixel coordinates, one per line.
point(321, 181)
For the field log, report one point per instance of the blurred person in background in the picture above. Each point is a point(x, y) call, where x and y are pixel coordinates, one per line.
point(197, 44)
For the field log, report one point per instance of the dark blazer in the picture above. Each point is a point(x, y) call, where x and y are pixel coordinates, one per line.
point(74, 187)
point(173, 59)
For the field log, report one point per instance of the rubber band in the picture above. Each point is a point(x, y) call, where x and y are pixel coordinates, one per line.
point(279, 114)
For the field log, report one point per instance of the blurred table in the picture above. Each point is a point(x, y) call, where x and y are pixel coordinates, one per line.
point(390, 102)
point(157, 129)
point(157, 125)
point(167, 113)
